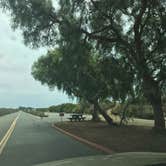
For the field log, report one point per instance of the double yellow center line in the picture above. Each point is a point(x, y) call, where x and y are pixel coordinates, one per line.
point(8, 134)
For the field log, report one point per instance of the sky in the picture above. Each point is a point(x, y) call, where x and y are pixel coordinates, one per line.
point(17, 86)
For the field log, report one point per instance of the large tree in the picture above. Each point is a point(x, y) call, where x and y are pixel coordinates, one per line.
point(81, 76)
point(132, 30)
point(77, 77)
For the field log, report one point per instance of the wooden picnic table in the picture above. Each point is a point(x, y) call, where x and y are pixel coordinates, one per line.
point(77, 117)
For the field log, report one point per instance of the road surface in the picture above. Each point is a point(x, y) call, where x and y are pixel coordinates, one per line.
point(34, 141)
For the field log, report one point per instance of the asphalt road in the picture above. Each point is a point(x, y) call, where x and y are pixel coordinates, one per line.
point(5, 122)
point(34, 141)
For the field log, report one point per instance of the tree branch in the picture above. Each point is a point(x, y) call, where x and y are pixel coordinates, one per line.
point(99, 37)
point(137, 24)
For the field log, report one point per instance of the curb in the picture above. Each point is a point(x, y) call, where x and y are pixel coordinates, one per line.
point(82, 140)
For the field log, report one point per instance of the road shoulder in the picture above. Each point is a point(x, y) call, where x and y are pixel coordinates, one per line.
point(85, 141)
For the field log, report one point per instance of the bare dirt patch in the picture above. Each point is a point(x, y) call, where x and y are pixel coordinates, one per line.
point(118, 139)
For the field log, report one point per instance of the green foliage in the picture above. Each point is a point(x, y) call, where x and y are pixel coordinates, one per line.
point(34, 17)
point(130, 36)
point(107, 104)
point(135, 111)
point(82, 107)
point(84, 78)
point(133, 30)
point(85, 106)
point(41, 109)
point(67, 108)
point(118, 76)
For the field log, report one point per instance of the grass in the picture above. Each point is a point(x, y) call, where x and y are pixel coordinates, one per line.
point(118, 139)
point(7, 111)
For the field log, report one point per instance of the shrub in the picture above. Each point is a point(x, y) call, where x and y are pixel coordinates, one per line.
point(135, 111)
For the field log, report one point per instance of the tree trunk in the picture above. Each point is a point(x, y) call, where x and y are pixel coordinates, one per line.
point(123, 117)
point(108, 119)
point(95, 116)
point(153, 94)
point(159, 121)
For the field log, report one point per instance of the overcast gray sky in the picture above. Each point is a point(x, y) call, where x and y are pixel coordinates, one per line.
point(17, 86)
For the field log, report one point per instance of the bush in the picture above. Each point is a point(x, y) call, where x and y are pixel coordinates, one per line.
point(67, 108)
point(107, 104)
point(135, 111)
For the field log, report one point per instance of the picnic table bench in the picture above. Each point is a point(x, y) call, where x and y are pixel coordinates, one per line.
point(76, 117)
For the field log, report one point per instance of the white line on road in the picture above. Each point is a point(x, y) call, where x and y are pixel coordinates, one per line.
point(8, 134)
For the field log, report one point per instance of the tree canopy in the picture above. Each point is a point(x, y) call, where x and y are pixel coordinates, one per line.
point(132, 32)
point(84, 78)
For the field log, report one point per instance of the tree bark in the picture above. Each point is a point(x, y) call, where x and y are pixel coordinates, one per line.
point(153, 94)
point(124, 113)
point(108, 119)
point(95, 116)
point(159, 121)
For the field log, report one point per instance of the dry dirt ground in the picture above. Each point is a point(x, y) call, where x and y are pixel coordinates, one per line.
point(118, 139)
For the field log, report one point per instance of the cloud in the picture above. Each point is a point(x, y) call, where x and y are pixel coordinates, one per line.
point(17, 86)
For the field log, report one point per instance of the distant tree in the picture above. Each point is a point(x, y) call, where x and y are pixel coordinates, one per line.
point(132, 30)
point(67, 107)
